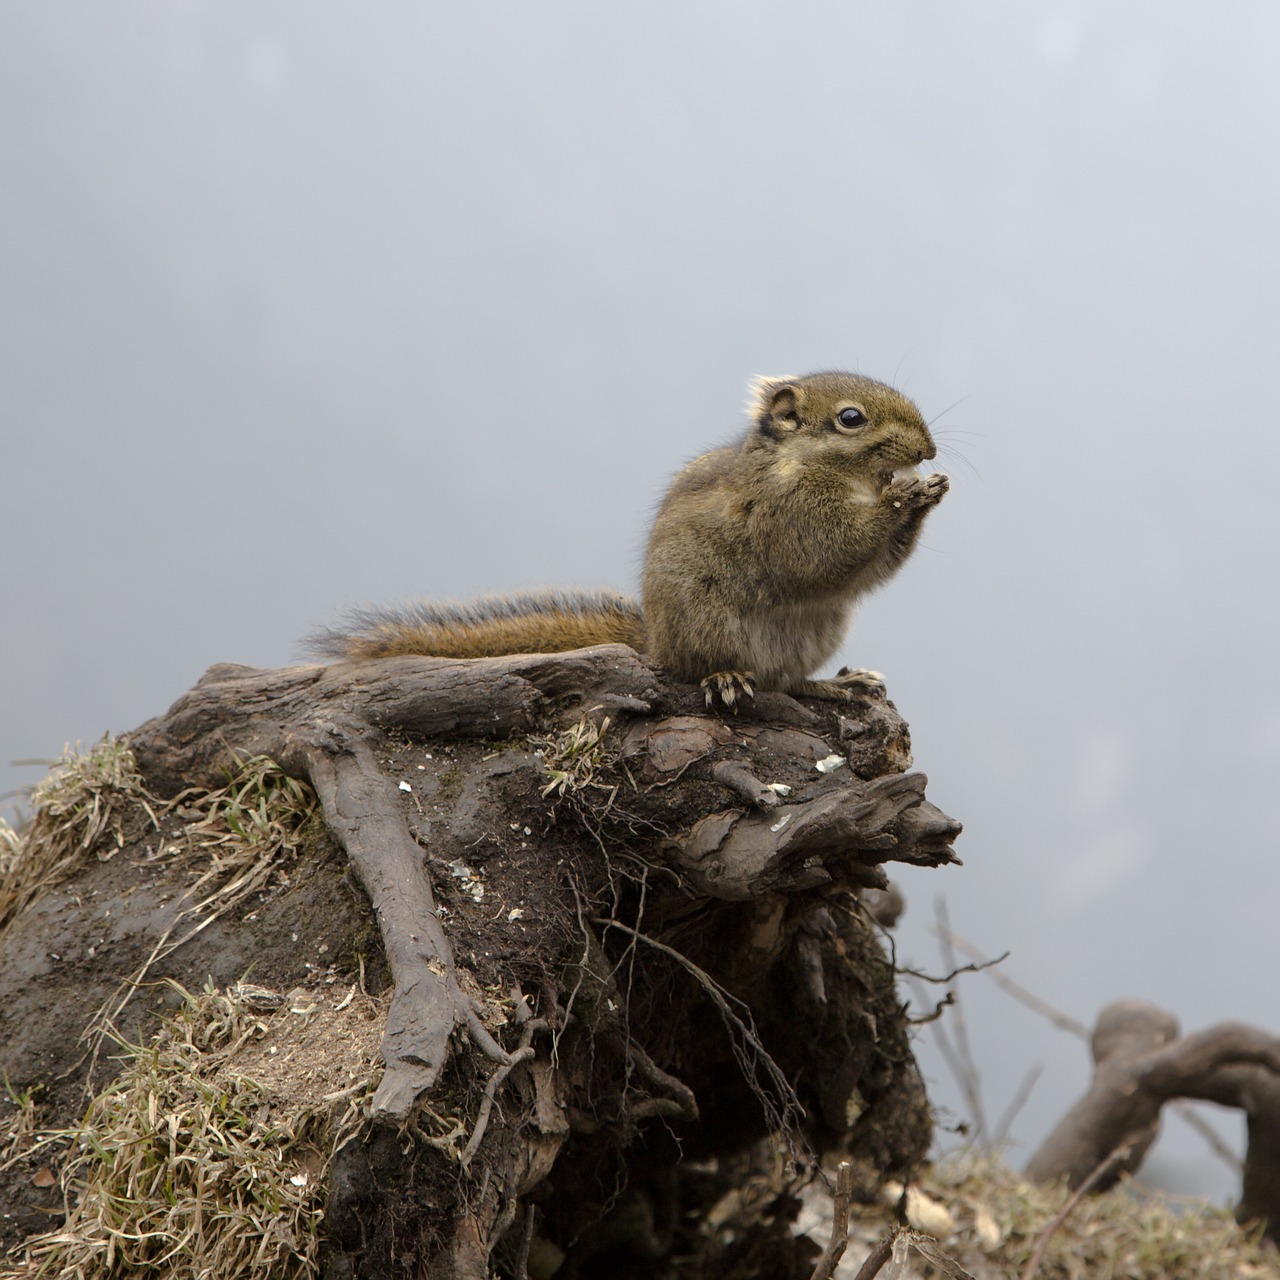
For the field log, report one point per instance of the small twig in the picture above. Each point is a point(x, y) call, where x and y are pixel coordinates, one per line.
point(522, 1054)
point(968, 1078)
point(1104, 1167)
point(1020, 993)
point(839, 1241)
point(486, 1103)
point(939, 1008)
point(943, 979)
point(526, 1243)
point(1016, 1103)
point(877, 1257)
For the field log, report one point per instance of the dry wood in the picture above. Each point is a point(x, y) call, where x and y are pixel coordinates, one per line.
point(826, 1265)
point(1141, 1064)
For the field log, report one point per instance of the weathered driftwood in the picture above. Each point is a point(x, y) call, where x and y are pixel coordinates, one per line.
point(707, 870)
point(1140, 1064)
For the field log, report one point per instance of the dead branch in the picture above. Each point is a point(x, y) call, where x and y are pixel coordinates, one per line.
point(826, 1265)
point(1141, 1064)
point(1065, 1022)
point(874, 1262)
point(899, 1244)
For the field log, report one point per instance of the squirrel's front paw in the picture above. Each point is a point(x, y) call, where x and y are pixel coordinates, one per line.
point(846, 685)
point(727, 686)
point(918, 491)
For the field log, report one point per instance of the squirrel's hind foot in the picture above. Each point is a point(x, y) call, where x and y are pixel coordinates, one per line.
point(728, 686)
point(844, 687)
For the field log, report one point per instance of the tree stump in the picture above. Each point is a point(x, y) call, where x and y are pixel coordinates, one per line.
point(625, 945)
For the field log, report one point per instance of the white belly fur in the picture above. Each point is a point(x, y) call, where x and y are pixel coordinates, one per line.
point(792, 641)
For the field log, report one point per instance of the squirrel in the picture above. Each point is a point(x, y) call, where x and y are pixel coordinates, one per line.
point(755, 559)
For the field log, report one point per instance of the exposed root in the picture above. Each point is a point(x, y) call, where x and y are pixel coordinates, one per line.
point(748, 1049)
point(495, 1082)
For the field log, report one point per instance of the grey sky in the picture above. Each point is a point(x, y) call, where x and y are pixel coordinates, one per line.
point(304, 306)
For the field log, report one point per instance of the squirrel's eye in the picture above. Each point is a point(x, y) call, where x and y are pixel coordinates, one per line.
point(851, 417)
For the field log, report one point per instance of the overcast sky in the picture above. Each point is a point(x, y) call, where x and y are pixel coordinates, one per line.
point(310, 305)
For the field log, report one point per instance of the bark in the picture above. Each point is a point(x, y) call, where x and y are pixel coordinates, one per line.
point(1140, 1064)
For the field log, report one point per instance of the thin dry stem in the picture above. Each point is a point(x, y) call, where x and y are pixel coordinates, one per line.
point(1103, 1168)
point(831, 1255)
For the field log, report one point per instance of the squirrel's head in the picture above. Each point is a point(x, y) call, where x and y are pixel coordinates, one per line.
point(842, 418)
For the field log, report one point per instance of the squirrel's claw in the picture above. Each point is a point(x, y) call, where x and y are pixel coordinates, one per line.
point(726, 685)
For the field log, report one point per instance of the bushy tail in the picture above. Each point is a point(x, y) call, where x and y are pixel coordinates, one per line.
point(529, 622)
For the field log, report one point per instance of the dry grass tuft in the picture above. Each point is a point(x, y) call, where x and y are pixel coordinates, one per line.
point(186, 1166)
point(572, 758)
point(232, 842)
point(84, 800)
point(239, 831)
point(1127, 1232)
point(209, 1153)
point(1123, 1232)
point(18, 1128)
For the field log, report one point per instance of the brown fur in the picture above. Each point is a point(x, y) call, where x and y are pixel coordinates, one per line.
point(531, 622)
point(760, 549)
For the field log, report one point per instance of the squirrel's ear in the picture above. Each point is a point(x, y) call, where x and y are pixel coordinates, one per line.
point(775, 404)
